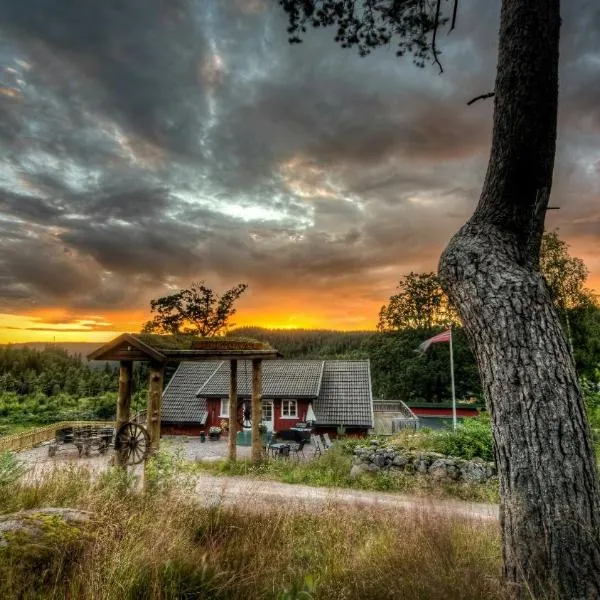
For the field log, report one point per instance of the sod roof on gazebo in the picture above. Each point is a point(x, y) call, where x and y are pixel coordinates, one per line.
point(175, 348)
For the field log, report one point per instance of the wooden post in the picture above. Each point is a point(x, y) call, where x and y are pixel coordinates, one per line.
point(124, 402)
point(257, 451)
point(233, 409)
point(155, 390)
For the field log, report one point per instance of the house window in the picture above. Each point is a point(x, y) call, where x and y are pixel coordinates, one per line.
point(289, 409)
point(224, 408)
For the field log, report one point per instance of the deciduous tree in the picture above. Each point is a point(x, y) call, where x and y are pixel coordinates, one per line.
point(419, 304)
point(197, 310)
point(550, 494)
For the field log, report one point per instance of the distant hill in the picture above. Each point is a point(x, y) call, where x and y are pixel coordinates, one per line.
point(292, 343)
point(83, 348)
point(311, 343)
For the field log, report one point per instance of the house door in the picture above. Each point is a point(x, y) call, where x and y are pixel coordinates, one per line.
point(267, 414)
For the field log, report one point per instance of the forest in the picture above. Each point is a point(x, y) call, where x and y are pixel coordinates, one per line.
point(49, 385)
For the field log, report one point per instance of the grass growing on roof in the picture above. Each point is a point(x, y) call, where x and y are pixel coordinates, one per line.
point(186, 341)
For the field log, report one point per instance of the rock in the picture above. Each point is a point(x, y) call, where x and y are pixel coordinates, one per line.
point(35, 522)
point(357, 471)
point(380, 460)
point(473, 472)
point(400, 460)
point(439, 469)
point(434, 465)
point(375, 443)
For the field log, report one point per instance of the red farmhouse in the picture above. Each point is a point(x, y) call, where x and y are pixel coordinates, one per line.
point(337, 391)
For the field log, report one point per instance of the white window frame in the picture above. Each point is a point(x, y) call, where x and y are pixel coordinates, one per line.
point(288, 416)
point(224, 403)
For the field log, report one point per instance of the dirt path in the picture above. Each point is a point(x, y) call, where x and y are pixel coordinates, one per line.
point(250, 492)
point(254, 492)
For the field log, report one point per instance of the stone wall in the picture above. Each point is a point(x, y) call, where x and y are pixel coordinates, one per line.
point(374, 458)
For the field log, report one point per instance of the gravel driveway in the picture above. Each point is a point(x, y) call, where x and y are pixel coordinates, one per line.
point(258, 493)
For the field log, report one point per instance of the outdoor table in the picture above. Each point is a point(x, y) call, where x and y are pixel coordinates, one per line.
point(280, 449)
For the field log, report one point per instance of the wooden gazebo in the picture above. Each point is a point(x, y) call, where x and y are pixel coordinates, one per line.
point(159, 350)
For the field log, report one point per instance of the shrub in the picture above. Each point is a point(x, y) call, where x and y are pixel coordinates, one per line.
point(11, 469)
point(472, 439)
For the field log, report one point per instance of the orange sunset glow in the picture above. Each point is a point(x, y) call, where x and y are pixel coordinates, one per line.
point(201, 146)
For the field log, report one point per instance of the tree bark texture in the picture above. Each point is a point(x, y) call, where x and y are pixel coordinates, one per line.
point(550, 496)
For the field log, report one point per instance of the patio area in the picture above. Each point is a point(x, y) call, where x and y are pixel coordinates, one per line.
point(191, 448)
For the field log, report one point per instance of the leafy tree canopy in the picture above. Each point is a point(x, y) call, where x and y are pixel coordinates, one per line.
point(366, 25)
point(197, 310)
point(565, 275)
point(419, 304)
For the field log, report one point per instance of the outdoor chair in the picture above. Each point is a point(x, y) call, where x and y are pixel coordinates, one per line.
point(316, 442)
point(326, 441)
point(298, 448)
point(279, 449)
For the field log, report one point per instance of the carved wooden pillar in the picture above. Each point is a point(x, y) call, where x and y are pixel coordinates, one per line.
point(124, 402)
point(233, 409)
point(257, 451)
point(155, 390)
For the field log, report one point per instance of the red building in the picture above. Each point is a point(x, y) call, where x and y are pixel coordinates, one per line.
point(337, 391)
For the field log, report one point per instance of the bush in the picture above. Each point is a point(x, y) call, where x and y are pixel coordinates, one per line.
point(472, 439)
point(11, 469)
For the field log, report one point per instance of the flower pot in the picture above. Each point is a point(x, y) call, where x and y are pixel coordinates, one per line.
point(202, 437)
point(214, 437)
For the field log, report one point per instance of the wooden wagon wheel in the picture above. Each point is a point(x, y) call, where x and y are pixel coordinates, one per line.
point(132, 443)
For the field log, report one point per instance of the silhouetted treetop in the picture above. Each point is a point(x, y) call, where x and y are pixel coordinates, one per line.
point(368, 24)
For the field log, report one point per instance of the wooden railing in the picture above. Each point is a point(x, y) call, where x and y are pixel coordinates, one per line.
point(33, 437)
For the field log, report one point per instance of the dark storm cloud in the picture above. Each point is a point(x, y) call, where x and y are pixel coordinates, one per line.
point(149, 143)
point(140, 59)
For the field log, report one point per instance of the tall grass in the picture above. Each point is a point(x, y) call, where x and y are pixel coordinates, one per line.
point(166, 545)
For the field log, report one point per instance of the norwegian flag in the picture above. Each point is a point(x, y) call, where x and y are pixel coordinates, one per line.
point(445, 336)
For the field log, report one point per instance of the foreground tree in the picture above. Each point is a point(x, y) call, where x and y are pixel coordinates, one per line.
point(196, 311)
point(550, 496)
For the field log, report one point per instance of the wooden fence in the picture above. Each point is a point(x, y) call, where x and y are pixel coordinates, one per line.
point(33, 437)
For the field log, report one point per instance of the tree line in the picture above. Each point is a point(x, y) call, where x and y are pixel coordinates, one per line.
point(49, 385)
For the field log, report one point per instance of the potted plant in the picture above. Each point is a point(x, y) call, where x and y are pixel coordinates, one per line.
point(214, 433)
point(224, 425)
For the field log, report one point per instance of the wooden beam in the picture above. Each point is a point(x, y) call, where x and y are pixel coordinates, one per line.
point(233, 411)
point(124, 401)
point(257, 452)
point(155, 390)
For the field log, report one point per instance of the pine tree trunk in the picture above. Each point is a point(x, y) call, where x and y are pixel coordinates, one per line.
point(550, 496)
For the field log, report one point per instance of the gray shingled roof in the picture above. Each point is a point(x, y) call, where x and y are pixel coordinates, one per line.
point(340, 389)
point(280, 379)
point(179, 403)
point(345, 397)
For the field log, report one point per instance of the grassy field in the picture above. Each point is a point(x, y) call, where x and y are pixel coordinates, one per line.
point(333, 470)
point(162, 545)
point(10, 428)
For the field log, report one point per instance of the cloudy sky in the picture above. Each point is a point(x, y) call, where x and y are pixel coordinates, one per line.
point(147, 144)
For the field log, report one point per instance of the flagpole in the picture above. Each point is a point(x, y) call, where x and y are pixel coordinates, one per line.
point(452, 382)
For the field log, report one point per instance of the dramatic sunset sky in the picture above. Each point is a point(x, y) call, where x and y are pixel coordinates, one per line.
point(147, 144)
